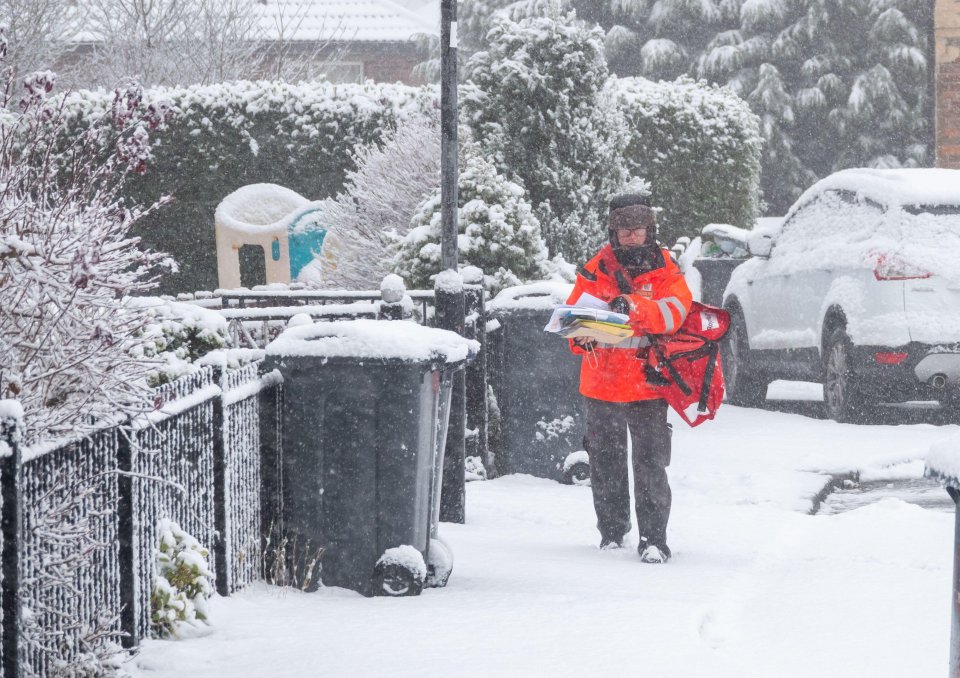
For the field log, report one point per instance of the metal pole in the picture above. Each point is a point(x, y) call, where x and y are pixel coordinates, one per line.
point(220, 556)
point(955, 600)
point(450, 302)
point(448, 132)
point(11, 526)
point(126, 536)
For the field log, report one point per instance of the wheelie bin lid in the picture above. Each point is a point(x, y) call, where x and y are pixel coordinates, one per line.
point(943, 463)
point(537, 296)
point(375, 341)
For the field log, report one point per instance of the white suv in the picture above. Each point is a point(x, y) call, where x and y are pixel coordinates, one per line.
point(859, 288)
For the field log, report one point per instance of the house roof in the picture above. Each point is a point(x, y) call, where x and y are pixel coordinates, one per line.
point(342, 20)
point(327, 20)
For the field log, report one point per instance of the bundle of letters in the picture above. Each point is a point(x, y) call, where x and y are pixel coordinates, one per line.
point(589, 321)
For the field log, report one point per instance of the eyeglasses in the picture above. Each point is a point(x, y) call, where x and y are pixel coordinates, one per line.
point(624, 232)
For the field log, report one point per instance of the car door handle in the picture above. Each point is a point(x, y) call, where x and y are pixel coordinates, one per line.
point(923, 288)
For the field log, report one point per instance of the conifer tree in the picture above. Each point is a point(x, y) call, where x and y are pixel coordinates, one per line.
point(498, 231)
point(837, 83)
point(537, 106)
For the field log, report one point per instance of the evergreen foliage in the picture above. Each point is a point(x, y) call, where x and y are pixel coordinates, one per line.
point(175, 336)
point(498, 230)
point(221, 137)
point(698, 146)
point(536, 103)
point(836, 83)
point(183, 582)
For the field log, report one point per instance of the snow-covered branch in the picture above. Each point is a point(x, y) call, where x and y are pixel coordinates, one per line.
point(68, 259)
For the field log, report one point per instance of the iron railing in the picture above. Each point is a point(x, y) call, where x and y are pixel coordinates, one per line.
point(80, 517)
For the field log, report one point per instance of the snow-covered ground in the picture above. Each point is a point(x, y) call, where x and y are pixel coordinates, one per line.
point(757, 587)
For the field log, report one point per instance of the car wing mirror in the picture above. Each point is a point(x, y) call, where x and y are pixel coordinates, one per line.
point(760, 245)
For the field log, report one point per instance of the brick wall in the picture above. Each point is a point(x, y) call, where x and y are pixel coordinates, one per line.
point(388, 68)
point(948, 115)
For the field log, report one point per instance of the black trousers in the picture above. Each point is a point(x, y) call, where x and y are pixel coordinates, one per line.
point(606, 443)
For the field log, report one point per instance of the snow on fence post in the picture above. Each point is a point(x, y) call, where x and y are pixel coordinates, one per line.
point(476, 324)
point(126, 527)
point(943, 464)
point(220, 490)
point(11, 430)
point(392, 294)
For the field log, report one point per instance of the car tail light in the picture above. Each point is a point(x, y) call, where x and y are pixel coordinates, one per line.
point(890, 267)
point(889, 357)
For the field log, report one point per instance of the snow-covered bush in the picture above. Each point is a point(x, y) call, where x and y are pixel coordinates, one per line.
point(498, 232)
point(68, 258)
point(836, 84)
point(176, 335)
point(473, 469)
point(183, 581)
point(223, 136)
point(537, 105)
point(382, 194)
point(699, 147)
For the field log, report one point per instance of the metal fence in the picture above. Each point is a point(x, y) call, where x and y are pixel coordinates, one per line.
point(80, 517)
point(254, 318)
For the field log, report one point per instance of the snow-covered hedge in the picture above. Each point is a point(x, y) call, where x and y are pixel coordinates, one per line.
point(699, 147)
point(224, 136)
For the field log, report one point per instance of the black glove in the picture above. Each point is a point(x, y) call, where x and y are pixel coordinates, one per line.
point(620, 305)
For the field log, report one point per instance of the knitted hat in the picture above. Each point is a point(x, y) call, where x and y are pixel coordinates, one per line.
point(631, 210)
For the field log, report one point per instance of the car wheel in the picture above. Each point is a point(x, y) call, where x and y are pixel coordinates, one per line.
point(396, 580)
point(744, 387)
point(577, 474)
point(841, 398)
point(439, 563)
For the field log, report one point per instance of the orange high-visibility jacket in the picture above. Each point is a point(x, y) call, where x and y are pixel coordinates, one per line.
point(659, 303)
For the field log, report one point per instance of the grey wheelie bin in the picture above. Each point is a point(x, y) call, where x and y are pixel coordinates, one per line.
point(536, 382)
point(365, 410)
point(715, 274)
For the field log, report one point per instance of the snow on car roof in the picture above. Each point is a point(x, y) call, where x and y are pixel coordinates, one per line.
point(892, 187)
